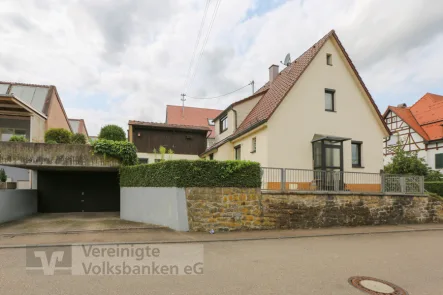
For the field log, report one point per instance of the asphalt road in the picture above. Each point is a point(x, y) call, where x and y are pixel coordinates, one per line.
point(413, 261)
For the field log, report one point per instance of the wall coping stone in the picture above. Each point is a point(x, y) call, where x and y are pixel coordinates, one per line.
point(340, 193)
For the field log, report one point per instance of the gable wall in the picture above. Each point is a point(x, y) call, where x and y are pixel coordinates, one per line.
point(302, 114)
point(56, 117)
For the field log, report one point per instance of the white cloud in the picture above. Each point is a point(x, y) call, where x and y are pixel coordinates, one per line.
point(113, 61)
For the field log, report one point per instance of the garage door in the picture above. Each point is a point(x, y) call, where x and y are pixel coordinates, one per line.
point(76, 191)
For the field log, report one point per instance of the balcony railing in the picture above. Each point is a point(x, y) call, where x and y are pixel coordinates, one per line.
point(283, 179)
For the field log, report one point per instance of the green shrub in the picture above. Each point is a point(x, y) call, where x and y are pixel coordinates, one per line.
point(186, 173)
point(125, 151)
point(112, 132)
point(434, 187)
point(18, 138)
point(78, 138)
point(59, 135)
point(3, 176)
point(51, 142)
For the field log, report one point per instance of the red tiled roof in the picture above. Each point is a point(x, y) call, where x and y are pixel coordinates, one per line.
point(425, 116)
point(192, 117)
point(286, 79)
point(168, 126)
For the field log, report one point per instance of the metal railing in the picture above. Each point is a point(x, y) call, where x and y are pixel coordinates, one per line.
point(285, 179)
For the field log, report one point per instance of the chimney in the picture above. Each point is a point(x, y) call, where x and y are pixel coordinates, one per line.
point(402, 105)
point(273, 73)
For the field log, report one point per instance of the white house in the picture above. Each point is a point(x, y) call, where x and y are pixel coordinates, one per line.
point(418, 128)
point(315, 114)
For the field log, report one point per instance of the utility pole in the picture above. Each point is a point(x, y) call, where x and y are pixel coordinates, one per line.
point(252, 84)
point(183, 99)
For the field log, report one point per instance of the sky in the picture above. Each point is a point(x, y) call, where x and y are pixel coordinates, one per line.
point(120, 60)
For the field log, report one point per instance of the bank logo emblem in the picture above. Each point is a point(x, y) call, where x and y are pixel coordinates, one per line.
point(49, 261)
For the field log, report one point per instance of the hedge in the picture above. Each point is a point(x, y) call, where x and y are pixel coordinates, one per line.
point(78, 138)
point(434, 187)
point(186, 173)
point(59, 135)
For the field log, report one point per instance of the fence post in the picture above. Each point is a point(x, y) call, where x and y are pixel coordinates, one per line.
point(402, 184)
point(283, 179)
point(422, 184)
point(383, 181)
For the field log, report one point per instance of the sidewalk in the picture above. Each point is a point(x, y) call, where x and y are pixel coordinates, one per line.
point(156, 236)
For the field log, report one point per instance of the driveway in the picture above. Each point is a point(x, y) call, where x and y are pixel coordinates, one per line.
point(71, 222)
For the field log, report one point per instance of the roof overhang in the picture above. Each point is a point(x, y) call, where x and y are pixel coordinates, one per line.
point(319, 137)
point(11, 105)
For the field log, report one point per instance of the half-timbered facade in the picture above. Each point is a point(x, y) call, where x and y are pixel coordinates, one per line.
point(418, 128)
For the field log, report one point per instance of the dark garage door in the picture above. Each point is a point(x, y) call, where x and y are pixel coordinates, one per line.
point(78, 191)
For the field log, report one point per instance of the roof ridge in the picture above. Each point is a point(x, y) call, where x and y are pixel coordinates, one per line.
point(26, 84)
point(171, 105)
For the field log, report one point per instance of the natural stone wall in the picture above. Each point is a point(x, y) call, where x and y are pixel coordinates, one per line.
point(30, 155)
point(225, 209)
point(311, 211)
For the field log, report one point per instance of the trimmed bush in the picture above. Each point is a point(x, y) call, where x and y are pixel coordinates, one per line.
point(124, 151)
point(186, 173)
point(51, 142)
point(59, 135)
point(78, 138)
point(18, 138)
point(434, 187)
point(3, 176)
point(112, 132)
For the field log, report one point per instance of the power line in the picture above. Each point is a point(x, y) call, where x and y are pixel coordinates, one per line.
point(219, 95)
point(197, 41)
point(214, 14)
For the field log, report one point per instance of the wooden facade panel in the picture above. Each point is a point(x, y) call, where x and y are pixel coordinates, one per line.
point(185, 142)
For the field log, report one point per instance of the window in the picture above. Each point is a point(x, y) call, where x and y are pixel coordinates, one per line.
point(254, 145)
point(356, 154)
point(143, 161)
point(329, 100)
point(211, 122)
point(329, 59)
point(223, 124)
point(7, 133)
point(237, 151)
point(211, 157)
point(438, 161)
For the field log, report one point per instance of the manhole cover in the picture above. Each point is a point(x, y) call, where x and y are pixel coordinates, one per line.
point(375, 286)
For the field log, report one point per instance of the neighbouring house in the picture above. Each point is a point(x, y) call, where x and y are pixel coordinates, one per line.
point(29, 110)
point(315, 114)
point(191, 116)
point(418, 128)
point(186, 142)
point(79, 126)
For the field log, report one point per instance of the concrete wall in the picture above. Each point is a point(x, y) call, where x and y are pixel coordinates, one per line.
point(302, 114)
point(157, 205)
point(16, 204)
point(37, 129)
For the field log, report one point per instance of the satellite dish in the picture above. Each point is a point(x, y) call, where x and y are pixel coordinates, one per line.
point(287, 59)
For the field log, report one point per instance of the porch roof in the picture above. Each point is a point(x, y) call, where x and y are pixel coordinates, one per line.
point(318, 137)
point(11, 105)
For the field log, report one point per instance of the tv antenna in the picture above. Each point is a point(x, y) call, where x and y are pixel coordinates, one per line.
point(287, 61)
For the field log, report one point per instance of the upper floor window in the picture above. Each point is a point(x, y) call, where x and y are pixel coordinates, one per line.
point(330, 100)
point(254, 145)
point(329, 59)
point(356, 154)
point(223, 124)
point(211, 122)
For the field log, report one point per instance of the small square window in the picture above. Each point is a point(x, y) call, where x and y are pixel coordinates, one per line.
point(329, 59)
point(223, 124)
point(143, 161)
point(254, 145)
point(330, 100)
point(356, 154)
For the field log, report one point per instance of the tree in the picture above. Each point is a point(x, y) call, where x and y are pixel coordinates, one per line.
point(405, 162)
point(3, 176)
point(112, 132)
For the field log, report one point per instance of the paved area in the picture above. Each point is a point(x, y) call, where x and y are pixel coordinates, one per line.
point(69, 222)
point(411, 260)
point(165, 235)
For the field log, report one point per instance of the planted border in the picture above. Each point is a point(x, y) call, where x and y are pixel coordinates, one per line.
point(186, 173)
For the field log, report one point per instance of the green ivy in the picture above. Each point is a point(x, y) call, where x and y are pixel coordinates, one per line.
point(125, 151)
point(186, 173)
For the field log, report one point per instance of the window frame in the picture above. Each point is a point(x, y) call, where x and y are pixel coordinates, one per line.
point(329, 59)
point(359, 149)
point(237, 149)
point(254, 144)
point(14, 130)
point(332, 92)
point(435, 158)
point(223, 119)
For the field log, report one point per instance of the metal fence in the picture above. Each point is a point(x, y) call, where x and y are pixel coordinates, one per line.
point(284, 179)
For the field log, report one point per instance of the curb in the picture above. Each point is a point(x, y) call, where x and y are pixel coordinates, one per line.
point(23, 246)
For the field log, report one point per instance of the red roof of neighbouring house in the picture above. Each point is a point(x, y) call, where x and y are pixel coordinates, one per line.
point(425, 116)
point(191, 116)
